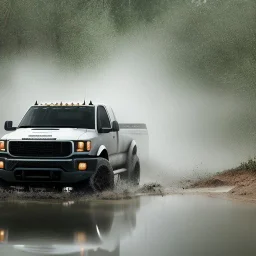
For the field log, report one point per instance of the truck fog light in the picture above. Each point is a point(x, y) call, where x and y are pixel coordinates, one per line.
point(1, 164)
point(82, 166)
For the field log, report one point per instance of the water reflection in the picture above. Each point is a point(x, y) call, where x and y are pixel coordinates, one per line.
point(176, 225)
point(62, 229)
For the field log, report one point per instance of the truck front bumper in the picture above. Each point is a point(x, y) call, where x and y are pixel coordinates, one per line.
point(46, 171)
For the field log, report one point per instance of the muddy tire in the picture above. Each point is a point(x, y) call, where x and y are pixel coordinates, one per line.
point(103, 178)
point(135, 173)
point(132, 176)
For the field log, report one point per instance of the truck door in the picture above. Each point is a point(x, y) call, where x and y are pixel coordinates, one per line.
point(108, 139)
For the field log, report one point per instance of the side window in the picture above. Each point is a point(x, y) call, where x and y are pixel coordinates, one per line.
point(102, 118)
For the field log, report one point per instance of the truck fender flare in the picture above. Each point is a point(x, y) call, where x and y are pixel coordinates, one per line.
point(101, 149)
point(132, 149)
point(131, 155)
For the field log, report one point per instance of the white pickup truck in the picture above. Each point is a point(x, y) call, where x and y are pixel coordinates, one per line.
point(74, 145)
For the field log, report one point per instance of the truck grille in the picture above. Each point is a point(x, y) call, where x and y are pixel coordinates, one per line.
point(40, 148)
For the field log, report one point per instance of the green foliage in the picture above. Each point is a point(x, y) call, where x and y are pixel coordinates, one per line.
point(211, 40)
point(250, 165)
point(215, 43)
point(72, 30)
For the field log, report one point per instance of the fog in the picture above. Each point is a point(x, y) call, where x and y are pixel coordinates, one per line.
point(194, 127)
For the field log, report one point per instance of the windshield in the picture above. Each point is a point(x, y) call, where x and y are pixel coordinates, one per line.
point(62, 117)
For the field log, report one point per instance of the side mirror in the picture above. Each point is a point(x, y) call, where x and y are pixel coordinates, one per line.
point(115, 126)
point(8, 126)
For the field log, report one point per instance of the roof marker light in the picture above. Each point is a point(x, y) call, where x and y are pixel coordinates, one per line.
point(90, 103)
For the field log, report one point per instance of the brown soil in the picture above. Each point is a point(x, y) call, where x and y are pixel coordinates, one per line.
point(209, 182)
point(244, 182)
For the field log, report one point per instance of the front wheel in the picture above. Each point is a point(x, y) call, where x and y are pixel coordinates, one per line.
point(101, 180)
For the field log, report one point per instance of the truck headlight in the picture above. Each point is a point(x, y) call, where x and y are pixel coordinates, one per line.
point(82, 146)
point(2, 145)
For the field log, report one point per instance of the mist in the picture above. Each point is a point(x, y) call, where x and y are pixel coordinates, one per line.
point(195, 125)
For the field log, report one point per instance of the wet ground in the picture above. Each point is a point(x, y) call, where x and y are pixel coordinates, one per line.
point(148, 225)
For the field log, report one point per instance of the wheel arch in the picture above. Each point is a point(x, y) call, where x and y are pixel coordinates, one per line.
point(102, 152)
point(132, 149)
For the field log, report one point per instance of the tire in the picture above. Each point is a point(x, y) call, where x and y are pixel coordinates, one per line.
point(135, 171)
point(132, 175)
point(103, 178)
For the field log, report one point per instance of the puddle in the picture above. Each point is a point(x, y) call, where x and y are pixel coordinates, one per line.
point(148, 225)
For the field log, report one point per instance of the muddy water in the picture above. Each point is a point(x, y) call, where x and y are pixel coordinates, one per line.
point(169, 225)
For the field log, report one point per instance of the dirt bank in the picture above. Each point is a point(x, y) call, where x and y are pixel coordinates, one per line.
point(243, 180)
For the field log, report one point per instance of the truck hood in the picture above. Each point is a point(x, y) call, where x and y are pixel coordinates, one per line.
point(48, 134)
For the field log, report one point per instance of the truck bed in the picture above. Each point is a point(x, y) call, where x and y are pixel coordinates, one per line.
point(139, 132)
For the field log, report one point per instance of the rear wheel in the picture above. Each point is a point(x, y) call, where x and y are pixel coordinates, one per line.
point(132, 175)
point(135, 176)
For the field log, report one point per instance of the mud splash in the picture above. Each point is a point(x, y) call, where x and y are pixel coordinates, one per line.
point(121, 192)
